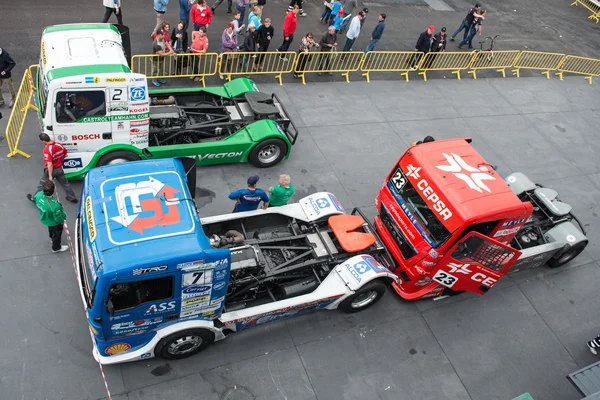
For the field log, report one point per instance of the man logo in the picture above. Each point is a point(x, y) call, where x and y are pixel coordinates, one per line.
point(413, 172)
point(473, 180)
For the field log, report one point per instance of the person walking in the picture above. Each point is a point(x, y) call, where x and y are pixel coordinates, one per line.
point(162, 48)
point(327, 43)
point(218, 3)
point(229, 44)
point(54, 155)
point(467, 22)
point(241, 5)
point(289, 27)
point(349, 7)
point(110, 7)
point(52, 214)
point(160, 7)
point(307, 44)
point(377, 33)
point(337, 6)
point(423, 45)
point(201, 15)
point(353, 31)
point(264, 35)
point(249, 199)
point(281, 194)
point(328, 4)
point(297, 3)
point(476, 27)
point(6, 65)
point(185, 7)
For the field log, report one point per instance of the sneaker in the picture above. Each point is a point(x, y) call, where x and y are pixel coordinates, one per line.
point(12, 103)
point(64, 247)
point(192, 78)
point(212, 9)
point(156, 83)
point(303, 14)
point(296, 76)
point(591, 345)
point(163, 81)
point(460, 46)
point(229, 11)
point(30, 198)
point(221, 76)
point(452, 39)
point(73, 200)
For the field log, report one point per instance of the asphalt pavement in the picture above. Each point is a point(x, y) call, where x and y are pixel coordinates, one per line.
point(525, 335)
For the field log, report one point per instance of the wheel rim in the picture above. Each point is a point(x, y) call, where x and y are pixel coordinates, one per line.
point(364, 299)
point(184, 345)
point(269, 153)
point(568, 256)
point(117, 161)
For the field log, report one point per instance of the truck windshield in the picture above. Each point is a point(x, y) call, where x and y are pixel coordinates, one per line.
point(88, 282)
point(415, 208)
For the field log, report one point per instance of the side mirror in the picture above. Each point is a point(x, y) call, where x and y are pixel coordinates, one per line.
point(109, 307)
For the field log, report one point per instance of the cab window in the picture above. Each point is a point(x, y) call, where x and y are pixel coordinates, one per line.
point(71, 106)
point(128, 295)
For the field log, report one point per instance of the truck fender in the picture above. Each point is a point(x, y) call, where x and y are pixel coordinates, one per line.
point(566, 233)
point(321, 204)
point(520, 183)
point(362, 269)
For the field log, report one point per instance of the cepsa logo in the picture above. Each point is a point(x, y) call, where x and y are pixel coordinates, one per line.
point(138, 110)
point(438, 205)
point(92, 136)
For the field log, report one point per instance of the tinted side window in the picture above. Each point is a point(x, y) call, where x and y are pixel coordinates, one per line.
point(71, 106)
point(131, 294)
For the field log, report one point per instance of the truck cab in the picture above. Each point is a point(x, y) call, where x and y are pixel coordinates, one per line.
point(452, 223)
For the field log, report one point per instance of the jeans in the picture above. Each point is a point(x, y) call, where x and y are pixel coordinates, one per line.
point(197, 62)
point(372, 44)
point(55, 233)
point(260, 57)
point(58, 175)
point(344, 23)
point(108, 11)
point(242, 11)
point(197, 27)
point(348, 44)
point(464, 25)
point(218, 3)
point(158, 67)
point(324, 58)
point(286, 43)
point(326, 14)
point(469, 39)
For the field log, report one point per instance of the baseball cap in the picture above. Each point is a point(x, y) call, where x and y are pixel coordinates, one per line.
point(477, 5)
point(431, 28)
point(444, 29)
point(253, 180)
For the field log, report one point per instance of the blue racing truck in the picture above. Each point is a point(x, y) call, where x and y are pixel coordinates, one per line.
point(156, 280)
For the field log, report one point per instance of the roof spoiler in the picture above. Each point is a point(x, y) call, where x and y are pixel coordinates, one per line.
point(468, 140)
point(189, 164)
point(125, 41)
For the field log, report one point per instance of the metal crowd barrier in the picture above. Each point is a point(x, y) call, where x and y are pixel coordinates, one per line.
point(538, 60)
point(589, 67)
point(498, 60)
point(453, 61)
point(23, 103)
point(328, 62)
point(590, 5)
point(256, 63)
point(389, 61)
point(176, 66)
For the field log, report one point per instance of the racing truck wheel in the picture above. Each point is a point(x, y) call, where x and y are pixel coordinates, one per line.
point(117, 157)
point(268, 153)
point(364, 297)
point(568, 255)
point(184, 344)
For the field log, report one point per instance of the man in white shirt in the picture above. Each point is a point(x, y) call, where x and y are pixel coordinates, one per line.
point(353, 31)
point(112, 6)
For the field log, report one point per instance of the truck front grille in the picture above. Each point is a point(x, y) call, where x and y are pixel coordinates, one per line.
point(403, 244)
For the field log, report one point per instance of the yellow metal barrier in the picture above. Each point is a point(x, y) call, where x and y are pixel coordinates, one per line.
point(590, 5)
point(446, 61)
point(328, 62)
point(389, 61)
point(23, 103)
point(581, 66)
point(176, 66)
point(498, 60)
point(545, 62)
point(256, 63)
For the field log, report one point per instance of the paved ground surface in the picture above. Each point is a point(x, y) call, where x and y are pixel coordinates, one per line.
point(525, 335)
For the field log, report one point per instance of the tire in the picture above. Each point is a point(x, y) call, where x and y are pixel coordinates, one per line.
point(117, 157)
point(364, 297)
point(564, 257)
point(184, 344)
point(268, 153)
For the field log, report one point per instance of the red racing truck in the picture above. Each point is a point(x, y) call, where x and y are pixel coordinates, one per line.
point(453, 224)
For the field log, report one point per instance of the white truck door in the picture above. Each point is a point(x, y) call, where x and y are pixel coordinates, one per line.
point(80, 119)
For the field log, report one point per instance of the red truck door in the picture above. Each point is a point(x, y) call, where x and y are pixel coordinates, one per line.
point(474, 264)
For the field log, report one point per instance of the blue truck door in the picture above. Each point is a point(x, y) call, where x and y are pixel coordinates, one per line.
point(141, 305)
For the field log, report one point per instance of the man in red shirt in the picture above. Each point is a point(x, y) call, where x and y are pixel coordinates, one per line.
point(289, 27)
point(201, 15)
point(199, 47)
point(54, 155)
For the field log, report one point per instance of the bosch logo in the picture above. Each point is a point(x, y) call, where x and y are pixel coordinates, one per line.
point(92, 136)
point(62, 138)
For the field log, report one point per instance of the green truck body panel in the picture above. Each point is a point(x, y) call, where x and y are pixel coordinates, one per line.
point(78, 27)
point(73, 72)
point(233, 89)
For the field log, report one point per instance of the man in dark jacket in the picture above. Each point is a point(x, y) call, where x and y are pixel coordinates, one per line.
point(249, 46)
point(439, 41)
point(264, 35)
point(423, 43)
point(6, 65)
point(327, 43)
point(377, 33)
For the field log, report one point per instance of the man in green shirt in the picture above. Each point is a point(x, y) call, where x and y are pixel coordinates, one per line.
point(280, 195)
point(52, 215)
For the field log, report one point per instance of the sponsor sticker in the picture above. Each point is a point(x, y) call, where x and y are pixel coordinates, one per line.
point(140, 123)
point(115, 80)
point(137, 93)
point(93, 136)
point(89, 215)
point(141, 271)
point(117, 348)
point(92, 79)
point(72, 163)
point(138, 110)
